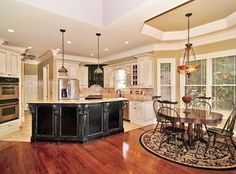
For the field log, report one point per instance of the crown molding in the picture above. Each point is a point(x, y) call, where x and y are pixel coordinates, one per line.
point(208, 28)
point(177, 45)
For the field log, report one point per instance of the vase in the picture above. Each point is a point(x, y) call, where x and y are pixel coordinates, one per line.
point(186, 99)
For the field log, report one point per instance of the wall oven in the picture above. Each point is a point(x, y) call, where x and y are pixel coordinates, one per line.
point(9, 110)
point(9, 88)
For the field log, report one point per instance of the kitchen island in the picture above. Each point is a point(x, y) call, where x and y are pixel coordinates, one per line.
point(76, 120)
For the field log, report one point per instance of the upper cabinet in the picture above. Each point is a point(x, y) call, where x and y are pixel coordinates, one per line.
point(141, 72)
point(9, 63)
point(83, 76)
point(145, 71)
point(72, 67)
point(109, 77)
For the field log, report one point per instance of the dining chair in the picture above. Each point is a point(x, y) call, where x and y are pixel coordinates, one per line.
point(201, 103)
point(172, 128)
point(156, 106)
point(226, 133)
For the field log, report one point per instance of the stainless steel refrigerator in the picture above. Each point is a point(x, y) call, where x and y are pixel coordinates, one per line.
point(68, 89)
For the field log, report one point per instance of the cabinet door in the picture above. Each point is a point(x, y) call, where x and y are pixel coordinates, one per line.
point(73, 70)
point(83, 77)
point(45, 120)
point(141, 72)
point(68, 122)
point(115, 120)
point(13, 64)
point(134, 76)
point(95, 121)
point(108, 77)
point(3, 62)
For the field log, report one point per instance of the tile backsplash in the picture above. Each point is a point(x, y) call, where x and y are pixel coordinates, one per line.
point(131, 93)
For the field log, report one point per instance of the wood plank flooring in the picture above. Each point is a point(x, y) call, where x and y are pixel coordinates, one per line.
point(118, 154)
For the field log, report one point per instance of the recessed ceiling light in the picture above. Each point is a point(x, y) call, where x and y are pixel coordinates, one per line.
point(29, 47)
point(91, 54)
point(11, 30)
point(126, 42)
point(106, 49)
point(69, 42)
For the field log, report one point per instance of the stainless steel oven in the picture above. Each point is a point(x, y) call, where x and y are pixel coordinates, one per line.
point(9, 88)
point(9, 110)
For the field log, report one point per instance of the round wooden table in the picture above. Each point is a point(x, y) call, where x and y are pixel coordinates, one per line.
point(197, 118)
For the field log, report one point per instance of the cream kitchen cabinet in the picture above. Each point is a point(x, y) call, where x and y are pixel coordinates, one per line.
point(141, 112)
point(9, 63)
point(145, 71)
point(72, 67)
point(109, 76)
point(83, 76)
point(141, 72)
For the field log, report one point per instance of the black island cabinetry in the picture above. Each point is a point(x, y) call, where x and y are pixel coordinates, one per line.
point(76, 122)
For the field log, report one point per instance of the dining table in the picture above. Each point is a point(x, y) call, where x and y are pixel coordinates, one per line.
point(194, 119)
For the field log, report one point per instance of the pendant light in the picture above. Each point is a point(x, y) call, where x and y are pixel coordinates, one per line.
point(98, 69)
point(62, 71)
point(186, 67)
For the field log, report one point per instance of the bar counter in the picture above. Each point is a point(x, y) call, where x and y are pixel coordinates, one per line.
point(76, 120)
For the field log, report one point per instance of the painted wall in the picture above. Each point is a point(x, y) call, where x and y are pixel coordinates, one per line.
point(40, 77)
point(177, 54)
point(30, 69)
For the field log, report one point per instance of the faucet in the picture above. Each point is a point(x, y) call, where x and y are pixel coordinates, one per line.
point(118, 91)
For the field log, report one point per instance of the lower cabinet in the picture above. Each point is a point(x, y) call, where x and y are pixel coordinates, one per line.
point(76, 122)
point(141, 112)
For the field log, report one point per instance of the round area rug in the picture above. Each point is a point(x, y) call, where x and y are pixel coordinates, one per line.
point(215, 158)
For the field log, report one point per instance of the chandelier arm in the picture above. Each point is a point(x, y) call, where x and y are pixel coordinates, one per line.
point(193, 54)
point(184, 56)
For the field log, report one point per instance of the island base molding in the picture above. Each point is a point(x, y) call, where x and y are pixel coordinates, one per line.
point(64, 122)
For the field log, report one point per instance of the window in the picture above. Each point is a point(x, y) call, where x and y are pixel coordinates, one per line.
point(223, 82)
point(195, 85)
point(216, 78)
point(166, 82)
point(120, 79)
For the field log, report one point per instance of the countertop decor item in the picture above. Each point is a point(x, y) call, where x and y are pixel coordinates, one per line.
point(186, 99)
point(62, 71)
point(98, 69)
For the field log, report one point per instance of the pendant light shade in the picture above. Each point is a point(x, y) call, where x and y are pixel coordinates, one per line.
point(98, 69)
point(62, 71)
point(186, 67)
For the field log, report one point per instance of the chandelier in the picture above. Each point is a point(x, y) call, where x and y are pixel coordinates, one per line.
point(98, 69)
point(62, 71)
point(186, 67)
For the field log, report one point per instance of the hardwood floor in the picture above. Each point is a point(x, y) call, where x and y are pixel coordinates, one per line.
point(121, 153)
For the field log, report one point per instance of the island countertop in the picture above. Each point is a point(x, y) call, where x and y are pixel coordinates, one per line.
point(79, 101)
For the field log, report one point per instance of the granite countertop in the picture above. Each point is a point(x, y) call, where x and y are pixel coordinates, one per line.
point(79, 101)
point(140, 100)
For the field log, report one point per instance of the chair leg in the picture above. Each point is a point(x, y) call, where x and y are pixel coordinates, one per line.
point(214, 140)
point(162, 140)
point(232, 141)
point(175, 137)
point(156, 127)
point(206, 129)
point(228, 146)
